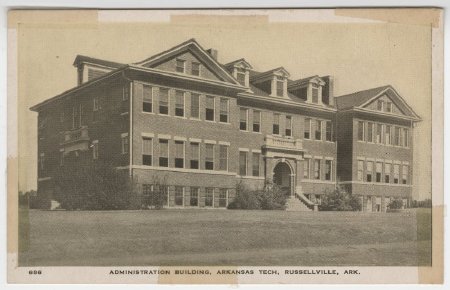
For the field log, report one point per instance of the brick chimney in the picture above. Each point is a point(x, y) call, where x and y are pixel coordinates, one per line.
point(327, 91)
point(213, 53)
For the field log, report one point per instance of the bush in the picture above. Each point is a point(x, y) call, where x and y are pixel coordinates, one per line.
point(396, 203)
point(339, 200)
point(421, 203)
point(271, 198)
point(157, 196)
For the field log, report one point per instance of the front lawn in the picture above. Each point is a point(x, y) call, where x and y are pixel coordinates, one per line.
point(223, 237)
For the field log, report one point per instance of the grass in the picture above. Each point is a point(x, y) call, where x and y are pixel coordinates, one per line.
point(224, 237)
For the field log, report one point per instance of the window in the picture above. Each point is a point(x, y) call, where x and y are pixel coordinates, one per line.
point(179, 104)
point(180, 65)
point(163, 101)
point(209, 196)
point(396, 136)
point(195, 155)
point(369, 171)
point(42, 161)
point(147, 151)
point(195, 70)
point(77, 112)
point(209, 111)
point(315, 94)
point(405, 174)
point(193, 199)
point(243, 116)
point(255, 163)
point(280, 86)
point(223, 157)
point(223, 117)
point(379, 133)
point(163, 152)
point(240, 76)
point(387, 173)
point(317, 169)
point(95, 149)
point(396, 173)
point(360, 170)
point(378, 169)
point(361, 131)
point(388, 135)
point(256, 121)
point(179, 154)
point(147, 104)
point(126, 92)
point(370, 132)
point(276, 124)
point(328, 169)
point(242, 163)
point(125, 143)
point(318, 132)
point(307, 130)
point(306, 168)
point(328, 131)
point(389, 107)
point(405, 137)
point(223, 197)
point(380, 105)
point(179, 196)
point(288, 129)
point(195, 106)
point(209, 157)
point(95, 107)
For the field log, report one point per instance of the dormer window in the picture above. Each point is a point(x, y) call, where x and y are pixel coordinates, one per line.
point(315, 93)
point(241, 76)
point(195, 70)
point(389, 107)
point(240, 71)
point(280, 86)
point(180, 66)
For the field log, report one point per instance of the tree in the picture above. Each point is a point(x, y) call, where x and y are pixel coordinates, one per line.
point(396, 203)
point(339, 200)
point(269, 198)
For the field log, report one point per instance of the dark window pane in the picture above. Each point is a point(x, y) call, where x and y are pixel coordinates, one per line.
point(147, 107)
point(276, 129)
point(209, 165)
point(164, 110)
point(147, 160)
point(179, 162)
point(209, 114)
point(179, 112)
point(223, 118)
point(163, 161)
point(194, 164)
point(256, 128)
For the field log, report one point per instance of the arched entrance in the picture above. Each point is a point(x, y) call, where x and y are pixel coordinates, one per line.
point(282, 177)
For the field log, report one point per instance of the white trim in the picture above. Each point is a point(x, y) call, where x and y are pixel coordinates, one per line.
point(318, 157)
point(244, 149)
point(370, 159)
point(185, 170)
point(256, 151)
point(251, 177)
point(150, 135)
point(397, 162)
point(329, 158)
point(210, 141)
point(405, 163)
point(62, 149)
point(224, 143)
point(178, 138)
point(164, 136)
point(375, 183)
point(195, 140)
point(123, 135)
point(44, 179)
point(307, 156)
point(331, 182)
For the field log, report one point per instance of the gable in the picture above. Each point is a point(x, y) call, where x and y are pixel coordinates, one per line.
point(386, 100)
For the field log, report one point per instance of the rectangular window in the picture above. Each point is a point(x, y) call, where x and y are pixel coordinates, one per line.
point(223, 197)
point(369, 171)
point(388, 135)
point(389, 107)
point(209, 157)
point(370, 132)
point(163, 101)
point(387, 173)
point(179, 103)
point(193, 199)
point(179, 196)
point(124, 143)
point(379, 133)
point(224, 108)
point(256, 121)
point(240, 76)
point(242, 163)
point(147, 151)
point(42, 161)
point(223, 157)
point(195, 155)
point(306, 169)
point(380, 105)
point(396, 136)
point(405, 137)
point(378, 169)
point(180, 65)
point(361, 130)
point(317, 169)
point(163, 152)
point(276, 124)
point(179, 154)
point(209, 110)
point(147, 105)
point(328, 131)
point(255, 163)
point(288, 129)
point(315, 95)
point(195, 70)
point(328, 169)
point(95, 105)
point(360, 170)
point(405, 174)
point(280, 86)
point(307, 130)
point(126, 92)
point(95, 149)
point(209, 196)
point(396, 173)
point(318, 132)
point(195, 106)
point(243, 116)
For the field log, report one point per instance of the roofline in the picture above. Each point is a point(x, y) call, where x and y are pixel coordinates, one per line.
point(384, 114)
point(266, 73)
point(102, 62)
point(238, 60)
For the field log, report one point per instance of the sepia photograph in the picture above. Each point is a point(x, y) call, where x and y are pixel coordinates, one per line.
point(280, 145)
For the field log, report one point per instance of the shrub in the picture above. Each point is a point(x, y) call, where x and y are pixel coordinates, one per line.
point(339, 200)
point(158, 196)
point(269, 199)
point(396, 203)
point(421, 203)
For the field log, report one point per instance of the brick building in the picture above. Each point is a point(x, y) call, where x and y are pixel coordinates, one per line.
point(204, 126)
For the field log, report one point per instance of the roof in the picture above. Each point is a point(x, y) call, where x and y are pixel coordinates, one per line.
point(358, 98)
point(82, 58)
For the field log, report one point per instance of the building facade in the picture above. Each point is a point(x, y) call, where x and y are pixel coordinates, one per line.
point(202, 127)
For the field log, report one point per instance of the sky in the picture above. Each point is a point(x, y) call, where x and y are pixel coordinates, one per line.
point(360, 54)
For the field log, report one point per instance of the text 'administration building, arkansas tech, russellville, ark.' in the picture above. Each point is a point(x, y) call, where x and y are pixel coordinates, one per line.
point(205, 126)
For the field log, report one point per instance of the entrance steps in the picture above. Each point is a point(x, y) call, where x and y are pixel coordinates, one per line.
point(295, 204)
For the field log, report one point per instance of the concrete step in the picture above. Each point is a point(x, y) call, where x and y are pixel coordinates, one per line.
point(294, 204)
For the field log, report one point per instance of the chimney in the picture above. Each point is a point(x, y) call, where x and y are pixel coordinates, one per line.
point(213, 53)
point(327, 92)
